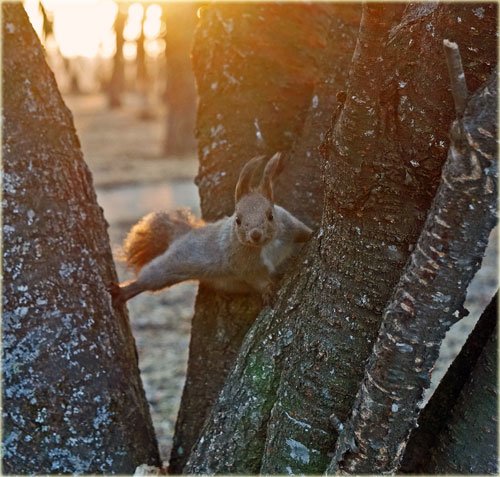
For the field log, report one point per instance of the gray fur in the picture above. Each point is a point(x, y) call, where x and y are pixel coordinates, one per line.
point(245, 252)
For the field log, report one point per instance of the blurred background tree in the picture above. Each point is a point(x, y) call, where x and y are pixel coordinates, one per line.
point(180, 90)
point(136, 53)
point(116, 82)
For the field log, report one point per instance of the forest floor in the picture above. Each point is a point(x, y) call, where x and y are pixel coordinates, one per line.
point(132, 178)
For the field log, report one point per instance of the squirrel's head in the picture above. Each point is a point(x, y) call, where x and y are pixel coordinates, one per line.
point(254, 221)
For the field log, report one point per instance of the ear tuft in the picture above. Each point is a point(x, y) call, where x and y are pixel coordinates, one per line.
point(246, 176)
point(272, 169)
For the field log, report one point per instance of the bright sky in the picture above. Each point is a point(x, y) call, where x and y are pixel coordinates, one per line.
point(85, 27)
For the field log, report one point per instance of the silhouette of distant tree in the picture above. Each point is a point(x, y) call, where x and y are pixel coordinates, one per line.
point(117, 82)
point(180, 19)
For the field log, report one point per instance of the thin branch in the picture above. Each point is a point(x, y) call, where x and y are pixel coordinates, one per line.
point(457, 76)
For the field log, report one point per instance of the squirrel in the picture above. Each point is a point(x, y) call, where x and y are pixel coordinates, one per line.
point(242, 253)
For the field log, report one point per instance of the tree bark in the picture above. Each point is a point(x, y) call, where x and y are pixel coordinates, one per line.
point(181, 20)
point(429, 297)
point(297, 367)
point(301, 183)
point(469, 442)
point(257, 105)
point(73, 401)
point(437, 412)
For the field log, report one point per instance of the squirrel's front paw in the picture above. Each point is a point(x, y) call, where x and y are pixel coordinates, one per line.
point(116, 294)
point(268, 295)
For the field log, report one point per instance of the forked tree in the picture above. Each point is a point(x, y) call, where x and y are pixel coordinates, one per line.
point(293, 385)
point(394, 169)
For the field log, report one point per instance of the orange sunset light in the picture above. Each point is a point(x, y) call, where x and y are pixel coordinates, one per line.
point(84, 28)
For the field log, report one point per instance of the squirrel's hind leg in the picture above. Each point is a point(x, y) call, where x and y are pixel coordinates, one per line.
point(120, 293)
point(162, 272)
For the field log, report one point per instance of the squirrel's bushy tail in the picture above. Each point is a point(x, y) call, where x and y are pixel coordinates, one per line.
point(153, 234)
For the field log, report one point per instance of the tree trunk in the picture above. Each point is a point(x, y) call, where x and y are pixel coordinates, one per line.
point(180, 19)
point(257, 105)
point(469, 442)
point(143, 77)
point(429, 297)
point(302, 361)
point(301, 183)
point(73, 400)
point(117, 81)
point(437, 412)
point(141, 67)
point(47, 24)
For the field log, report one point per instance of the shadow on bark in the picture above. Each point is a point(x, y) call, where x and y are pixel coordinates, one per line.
point(436, 413)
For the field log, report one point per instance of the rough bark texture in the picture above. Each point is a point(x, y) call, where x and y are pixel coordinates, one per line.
point(256, 66)
point(301, 184)
point(214, 344)
point(429, 297)
point(436, 414)
point(297, 366)
point(469, 442)
point(181, 20)
point(73, 401)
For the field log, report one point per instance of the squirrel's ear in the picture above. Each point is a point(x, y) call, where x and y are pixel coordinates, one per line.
point(246, 176)
point(272, 169)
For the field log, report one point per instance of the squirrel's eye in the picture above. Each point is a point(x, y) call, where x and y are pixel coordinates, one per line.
point(270, 215)
point(238, 221)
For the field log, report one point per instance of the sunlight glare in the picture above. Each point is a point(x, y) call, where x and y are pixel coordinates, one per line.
point(85, 27)
point(152, 24)
point(107, 47)
point(34, 14)
point(155, 48)
point(129, 50)
point(80, 26)
point(132, 29)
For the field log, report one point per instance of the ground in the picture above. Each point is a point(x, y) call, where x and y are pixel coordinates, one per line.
point(132, 178)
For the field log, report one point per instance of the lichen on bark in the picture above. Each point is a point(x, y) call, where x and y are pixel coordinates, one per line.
point(73, 401)
point(436, 414)
point(429, 297)
point(255, 82)
point(383, 162)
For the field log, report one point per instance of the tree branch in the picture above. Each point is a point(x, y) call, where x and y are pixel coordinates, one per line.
point(438, 410)
point(429, 297)
point(468, 443)
point(457, 76)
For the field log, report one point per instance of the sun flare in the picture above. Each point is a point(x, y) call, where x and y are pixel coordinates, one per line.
point(84, 28)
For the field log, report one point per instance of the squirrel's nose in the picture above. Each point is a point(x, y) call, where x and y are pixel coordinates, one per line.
point(255, 235)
